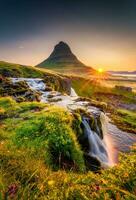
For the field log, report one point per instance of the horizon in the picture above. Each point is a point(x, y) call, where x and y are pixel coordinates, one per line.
point(100, 34)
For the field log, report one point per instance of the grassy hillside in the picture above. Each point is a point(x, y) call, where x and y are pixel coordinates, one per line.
point(113, 97)
point(16, 70)
point(82, 71)
point(52, 79)
point(33, 147)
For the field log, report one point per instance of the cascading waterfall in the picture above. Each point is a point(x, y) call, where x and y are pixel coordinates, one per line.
point(112, 159)
point(99, 147)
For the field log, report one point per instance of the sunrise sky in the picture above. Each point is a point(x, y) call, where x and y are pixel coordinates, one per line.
point(101, 33)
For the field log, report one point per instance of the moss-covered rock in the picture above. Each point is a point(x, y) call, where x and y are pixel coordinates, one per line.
point(52, 79)
point(20, 91)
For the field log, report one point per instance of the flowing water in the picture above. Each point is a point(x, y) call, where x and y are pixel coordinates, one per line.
point(114, 140)
point(97, 146)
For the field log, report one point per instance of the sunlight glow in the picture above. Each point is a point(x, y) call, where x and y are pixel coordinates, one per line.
point(100, 70)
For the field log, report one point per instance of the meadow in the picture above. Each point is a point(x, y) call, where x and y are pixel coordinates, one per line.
point(40, 159)
point(30, 138)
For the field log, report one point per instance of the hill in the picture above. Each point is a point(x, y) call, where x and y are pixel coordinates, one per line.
point(63, 60)
point(56, 81)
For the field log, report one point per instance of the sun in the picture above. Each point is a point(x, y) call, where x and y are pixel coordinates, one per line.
point(100, 70)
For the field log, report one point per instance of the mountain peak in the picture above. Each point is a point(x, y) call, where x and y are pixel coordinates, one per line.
point(61, 56)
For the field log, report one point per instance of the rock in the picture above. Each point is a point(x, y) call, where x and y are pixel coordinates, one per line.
point(65, 85)
point(58, 83)
point(123, 88)
point(48, 89)
point(92, 163)
point(20, 91)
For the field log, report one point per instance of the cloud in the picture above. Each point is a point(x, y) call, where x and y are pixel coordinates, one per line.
point(21, 47)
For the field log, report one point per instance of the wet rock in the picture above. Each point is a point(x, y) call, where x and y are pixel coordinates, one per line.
point(92, 163)
point(54, 100)
point(65, 85)
point(20, 91)
point(48, 89)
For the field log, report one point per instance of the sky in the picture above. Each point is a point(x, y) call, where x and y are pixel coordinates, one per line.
point(101, 33)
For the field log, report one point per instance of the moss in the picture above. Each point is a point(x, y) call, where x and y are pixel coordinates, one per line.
point(96, 91)
point(54, 81)
point(125, 120)
point(39, 130)
point(31, 141)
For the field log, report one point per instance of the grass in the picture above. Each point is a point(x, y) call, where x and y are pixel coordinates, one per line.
point(95, 90)
point(125, 119)
point(52, 79)
point(40, 158)
point(38, 128)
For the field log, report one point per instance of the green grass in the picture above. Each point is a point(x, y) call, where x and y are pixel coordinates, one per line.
point(95, 90)
point(15, 70)
point(52, 79)
point(125, 119)
point(40, 129)
point(40, 158)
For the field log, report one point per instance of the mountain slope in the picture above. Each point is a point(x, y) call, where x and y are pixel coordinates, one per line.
point(63, 60)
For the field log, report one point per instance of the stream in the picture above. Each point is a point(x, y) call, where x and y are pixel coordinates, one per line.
point(114, 140)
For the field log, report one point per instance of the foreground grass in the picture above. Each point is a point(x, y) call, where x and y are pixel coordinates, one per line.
point(40, 158)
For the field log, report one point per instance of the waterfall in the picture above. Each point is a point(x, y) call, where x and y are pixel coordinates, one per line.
point(100, 146)
point(97, 148)
point(101, 149)
point(112, 154)
point(73, 93)
point(34, 84)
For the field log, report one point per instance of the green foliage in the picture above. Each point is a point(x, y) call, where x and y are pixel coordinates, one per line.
point(15, 70)
point(6, 102)
point(108, 99)
point(125, 119)
point(31, 179)
point(96, 90)
point(48, 131)
point(40, 137)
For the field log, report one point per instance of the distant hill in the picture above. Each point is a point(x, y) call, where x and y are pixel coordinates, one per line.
point(122, 72)
point(63, 60)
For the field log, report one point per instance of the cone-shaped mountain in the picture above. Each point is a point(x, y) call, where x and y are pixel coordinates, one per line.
point(63, 60)
point(62, 56)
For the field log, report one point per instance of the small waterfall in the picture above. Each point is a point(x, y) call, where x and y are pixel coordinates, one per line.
point(34, 84)
point(73, 93)
point(108, 141)
point(97, 148)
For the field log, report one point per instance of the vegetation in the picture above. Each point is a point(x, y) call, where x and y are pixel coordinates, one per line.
point(36, 140)
point(113, 97)
point(41, 156)
point(125, 119)
point(95, 90)
point(52, 79)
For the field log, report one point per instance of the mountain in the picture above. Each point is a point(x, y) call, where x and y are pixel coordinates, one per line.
point(63, 60)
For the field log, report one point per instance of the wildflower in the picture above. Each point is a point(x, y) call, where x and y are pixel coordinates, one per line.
point(97, 187)
point(12, 190)
point(51, 182)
